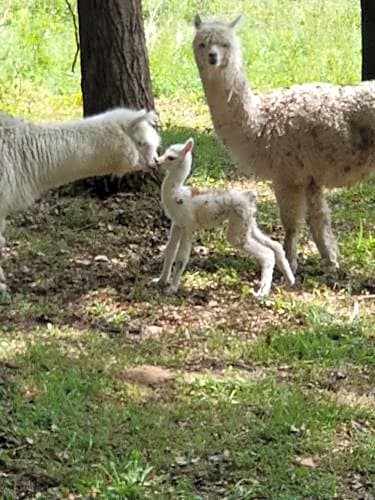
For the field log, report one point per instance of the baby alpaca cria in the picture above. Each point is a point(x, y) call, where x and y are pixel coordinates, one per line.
point(191, 209)
point(304, 138)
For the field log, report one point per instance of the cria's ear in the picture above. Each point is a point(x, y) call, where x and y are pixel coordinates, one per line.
point(234, 23)
point(197, 21)
point(188, 146)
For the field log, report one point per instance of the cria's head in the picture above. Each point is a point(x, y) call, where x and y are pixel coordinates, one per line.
point(215, 43)
point(177, 156)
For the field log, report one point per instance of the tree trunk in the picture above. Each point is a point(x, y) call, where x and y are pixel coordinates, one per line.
point(368, 39)
point(114, 68)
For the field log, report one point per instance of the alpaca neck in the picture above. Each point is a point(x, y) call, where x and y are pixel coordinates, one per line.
point(229, 96)
point(71, 161)
point(175, 179)
point(52, 156)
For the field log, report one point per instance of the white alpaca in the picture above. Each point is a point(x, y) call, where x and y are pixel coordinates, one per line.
point(7, 120)
point(303, 138)
point(35, 158)
point(191, 209)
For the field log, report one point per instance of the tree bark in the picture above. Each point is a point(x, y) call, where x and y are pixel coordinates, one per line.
point(114, 67)
point(368, 39)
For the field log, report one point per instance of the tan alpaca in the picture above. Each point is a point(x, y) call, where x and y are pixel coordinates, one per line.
point(304, 138)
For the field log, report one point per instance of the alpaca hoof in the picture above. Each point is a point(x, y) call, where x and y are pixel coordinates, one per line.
point(158, 282)
point(331, 267)
point(171, 290)
point(293, 266)
point(332, 276)
point(263, 291)
point(290, 281)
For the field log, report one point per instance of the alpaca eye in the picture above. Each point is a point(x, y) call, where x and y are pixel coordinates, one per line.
point(202, 45)
point(226, 45)
point(171, 158)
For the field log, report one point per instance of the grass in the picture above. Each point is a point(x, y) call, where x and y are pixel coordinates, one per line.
point(268, 398)
point(279, 40)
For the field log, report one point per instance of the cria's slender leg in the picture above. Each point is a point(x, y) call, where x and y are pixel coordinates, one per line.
point(170, 254)
point(3, 286)
point(266, 258)
point(239, 235)
point(281, 260)
point(292, 206)
point(319, 220)
point(182, 258)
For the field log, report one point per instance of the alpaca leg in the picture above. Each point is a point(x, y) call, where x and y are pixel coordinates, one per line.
point(182, 258)
point(266, 257)
point(3, 286)
point(239, 236)
point(319, 220)
point(292, 206)
point(170, 254)
point(281, 260)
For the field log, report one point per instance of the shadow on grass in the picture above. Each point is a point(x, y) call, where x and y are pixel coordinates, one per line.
point(67, 254)
point(66, 251)
point(69, 421)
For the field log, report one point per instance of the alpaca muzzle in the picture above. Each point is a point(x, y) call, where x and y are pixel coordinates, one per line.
point(212, 58)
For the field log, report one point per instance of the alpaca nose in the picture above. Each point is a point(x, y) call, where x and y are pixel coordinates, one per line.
point(157, 161)
point(212, 57)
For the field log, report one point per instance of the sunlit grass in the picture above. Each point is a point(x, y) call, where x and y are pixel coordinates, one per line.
point(283, 42)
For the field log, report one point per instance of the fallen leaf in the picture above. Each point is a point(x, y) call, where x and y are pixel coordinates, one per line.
point(152, 331)
point(83, 262)
point(181, 461)
point(101, 258)
point(307, 462)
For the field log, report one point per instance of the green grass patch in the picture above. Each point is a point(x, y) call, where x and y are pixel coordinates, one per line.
point(322, 339)
point(72, 421)
point(279, 40)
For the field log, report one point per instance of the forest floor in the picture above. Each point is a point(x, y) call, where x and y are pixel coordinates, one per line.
point(111, 389)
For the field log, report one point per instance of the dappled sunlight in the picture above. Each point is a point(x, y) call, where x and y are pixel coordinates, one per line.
point(11, 348)
point(354, 400)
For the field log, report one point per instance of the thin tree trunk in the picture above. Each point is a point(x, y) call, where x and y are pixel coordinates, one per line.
point(368, 39)
point(114, 66)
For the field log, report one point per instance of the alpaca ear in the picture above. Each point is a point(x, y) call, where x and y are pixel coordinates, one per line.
point(151, 117)
point(141, 116)
point(188, 146)
point(234, 23)
point(197, 21)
